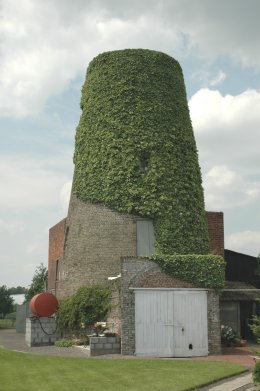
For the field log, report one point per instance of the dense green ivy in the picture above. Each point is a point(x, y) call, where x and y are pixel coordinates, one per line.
point(206, 271)
point(135, 149)
point(87, 306)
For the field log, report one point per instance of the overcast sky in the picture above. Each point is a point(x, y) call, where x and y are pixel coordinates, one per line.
point(45, 48)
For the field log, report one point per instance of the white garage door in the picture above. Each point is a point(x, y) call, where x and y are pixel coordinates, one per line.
point(171, 323)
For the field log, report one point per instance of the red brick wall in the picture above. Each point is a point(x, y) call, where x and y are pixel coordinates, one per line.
point(56, 240)
point(216, 232)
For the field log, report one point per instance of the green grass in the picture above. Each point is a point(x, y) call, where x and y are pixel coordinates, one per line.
point(22, 371)
point(6, 324)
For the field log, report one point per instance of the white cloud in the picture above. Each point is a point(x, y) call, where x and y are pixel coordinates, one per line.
point(12, 228)
point(225, 188)
point(210, 110)
point(26, 183)
point(65, 195)
point(227, 129)
point(218, 79)
point(247, 242)
point(208, 78)
point(44, 45)
point(36, 247)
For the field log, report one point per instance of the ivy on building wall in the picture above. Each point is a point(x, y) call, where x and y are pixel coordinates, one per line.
point(206, 271)
point(87, 306)
point(135, 150)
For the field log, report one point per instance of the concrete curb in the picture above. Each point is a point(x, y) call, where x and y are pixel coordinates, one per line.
point(242, 382)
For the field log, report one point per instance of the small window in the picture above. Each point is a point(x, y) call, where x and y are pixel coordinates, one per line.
point(144, 164)
point(57, 270)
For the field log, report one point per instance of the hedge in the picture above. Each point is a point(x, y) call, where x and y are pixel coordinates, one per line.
point(207, 271)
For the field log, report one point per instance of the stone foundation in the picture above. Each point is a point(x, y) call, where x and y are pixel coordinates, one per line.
point(41, 331)
point(105, 345)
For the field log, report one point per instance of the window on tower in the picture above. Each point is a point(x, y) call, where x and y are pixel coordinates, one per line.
point(144, 164)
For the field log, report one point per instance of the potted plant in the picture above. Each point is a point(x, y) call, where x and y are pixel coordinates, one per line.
point(229, 337)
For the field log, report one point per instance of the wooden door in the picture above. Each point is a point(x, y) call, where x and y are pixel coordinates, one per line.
point(171, 323)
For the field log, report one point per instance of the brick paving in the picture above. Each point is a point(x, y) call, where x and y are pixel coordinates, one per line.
point(243, 356)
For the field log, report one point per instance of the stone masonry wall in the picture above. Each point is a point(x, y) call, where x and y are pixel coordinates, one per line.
point(104, 345)
point(214, 337)
point(140, 272)
point(41, 331)
point(114, 316)
point(56, 241)
point(95, 239)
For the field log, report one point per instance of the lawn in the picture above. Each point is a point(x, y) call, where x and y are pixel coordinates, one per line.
point(22, 371)
point(6, 323)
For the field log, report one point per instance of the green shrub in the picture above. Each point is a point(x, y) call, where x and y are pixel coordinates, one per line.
point(255, 327)
point(135, 150)
point(256, 373)
point(84, 341)
point(12, 317)
point(64, 343)
point(88, 305)
point(206, 271)
point(229, 336)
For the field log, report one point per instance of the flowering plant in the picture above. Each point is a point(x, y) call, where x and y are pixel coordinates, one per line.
point(229, 336)
point(99, 328)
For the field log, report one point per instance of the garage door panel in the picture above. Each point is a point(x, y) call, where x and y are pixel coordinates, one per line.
point(152, 311)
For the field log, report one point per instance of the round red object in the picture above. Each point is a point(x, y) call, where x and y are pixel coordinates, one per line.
point(43, 304)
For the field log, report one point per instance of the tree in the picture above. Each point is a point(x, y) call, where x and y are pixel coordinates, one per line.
point(17, 290)
point(6, 301)
point(38, 282)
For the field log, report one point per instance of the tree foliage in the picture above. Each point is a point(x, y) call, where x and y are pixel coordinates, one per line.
point(38, 283)
point(6, 301)
point(255, 327)
point(135, 149)
point(17, 290)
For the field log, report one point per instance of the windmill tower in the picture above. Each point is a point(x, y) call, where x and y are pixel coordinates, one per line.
point(135, 161)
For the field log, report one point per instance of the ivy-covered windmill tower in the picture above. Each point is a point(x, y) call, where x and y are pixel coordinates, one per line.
point(135, 157)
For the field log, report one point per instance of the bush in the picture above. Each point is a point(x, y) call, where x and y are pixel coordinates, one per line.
point(87, 306)
point(229, 336)
point(12, 317)
point(255, 327)
point(256, 373)
point(64, 343)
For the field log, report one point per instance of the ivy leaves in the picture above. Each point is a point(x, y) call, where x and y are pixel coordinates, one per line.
point(206, 271)
point(134, 106)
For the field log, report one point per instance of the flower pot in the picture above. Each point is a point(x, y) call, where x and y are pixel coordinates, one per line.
point(243, 343)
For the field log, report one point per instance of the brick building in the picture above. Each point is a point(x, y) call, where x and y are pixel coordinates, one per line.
point(135, 152)
point(86, 247)
point(94, 243)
